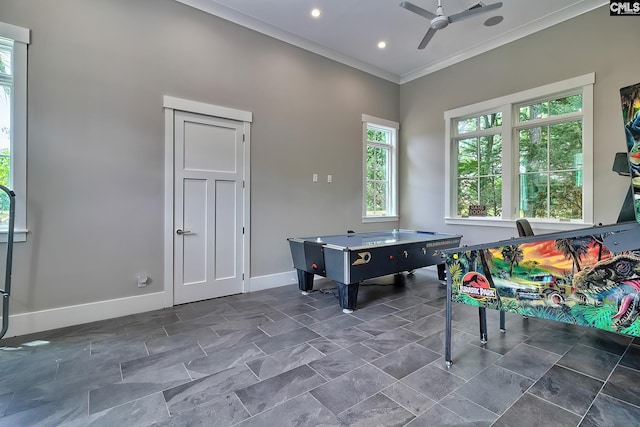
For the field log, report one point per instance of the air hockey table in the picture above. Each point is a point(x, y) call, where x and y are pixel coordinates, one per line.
point(350, 258)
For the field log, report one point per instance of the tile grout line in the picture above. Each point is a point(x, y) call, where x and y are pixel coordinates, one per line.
point(606, 381)
point(276, 312)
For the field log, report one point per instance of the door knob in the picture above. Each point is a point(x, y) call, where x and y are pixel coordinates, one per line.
point(179, 231)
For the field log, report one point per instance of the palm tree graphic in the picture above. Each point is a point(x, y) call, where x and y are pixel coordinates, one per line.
point(513, 255)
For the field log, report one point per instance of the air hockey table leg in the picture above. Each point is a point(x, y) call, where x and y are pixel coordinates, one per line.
point(502, 327)
point(442, 275)
point(347, 296)
point(305, 282)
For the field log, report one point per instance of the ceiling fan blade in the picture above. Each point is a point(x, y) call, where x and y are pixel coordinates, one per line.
point(474, 11)
point(417, 9)
point(427, 38)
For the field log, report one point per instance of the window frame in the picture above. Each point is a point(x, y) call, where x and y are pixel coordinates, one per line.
point(510, 125)
point(394, 127)
point(21, 39)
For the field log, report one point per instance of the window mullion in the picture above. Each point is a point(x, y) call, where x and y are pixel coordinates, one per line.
point(551, 120)
point(587, 150)
point(478, 168)
point(510, 175)
point(378, 144)
point(548, 171)
point(548, 195)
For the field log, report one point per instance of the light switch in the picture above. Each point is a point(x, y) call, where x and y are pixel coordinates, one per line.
point(329, 178)
point(315, 177)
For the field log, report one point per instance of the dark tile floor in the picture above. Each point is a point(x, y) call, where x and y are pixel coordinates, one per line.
point(278, 358)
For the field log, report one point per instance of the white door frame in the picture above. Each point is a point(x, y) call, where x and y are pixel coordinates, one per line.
point(171, 105)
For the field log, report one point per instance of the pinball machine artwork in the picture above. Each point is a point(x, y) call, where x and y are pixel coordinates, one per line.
point(588, 277)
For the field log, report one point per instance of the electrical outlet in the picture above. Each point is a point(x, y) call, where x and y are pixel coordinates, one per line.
point(142, 280)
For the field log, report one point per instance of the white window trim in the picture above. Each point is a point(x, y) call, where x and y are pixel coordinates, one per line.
point(375, 121)
point(21, 38)
point(504, 105)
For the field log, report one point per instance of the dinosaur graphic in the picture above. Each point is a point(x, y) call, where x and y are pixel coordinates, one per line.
point(628, 307)
point(620, 273)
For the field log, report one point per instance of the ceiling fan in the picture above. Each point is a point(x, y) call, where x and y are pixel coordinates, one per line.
point(439, 20)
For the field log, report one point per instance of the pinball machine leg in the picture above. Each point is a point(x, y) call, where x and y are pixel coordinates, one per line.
point(447, 337)
point(482, 311)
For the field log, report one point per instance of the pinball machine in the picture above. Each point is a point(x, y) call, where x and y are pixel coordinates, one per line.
point(588, 277)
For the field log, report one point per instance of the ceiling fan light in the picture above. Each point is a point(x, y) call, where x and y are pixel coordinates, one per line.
point(439, 22)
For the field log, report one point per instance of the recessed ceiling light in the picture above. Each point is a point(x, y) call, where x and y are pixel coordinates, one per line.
point(382, 45)
point(316, 13)
point(494, 20)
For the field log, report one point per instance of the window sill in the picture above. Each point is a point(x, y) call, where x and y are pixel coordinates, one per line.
point(18, 236)
point(366, 219)
point(507, 223)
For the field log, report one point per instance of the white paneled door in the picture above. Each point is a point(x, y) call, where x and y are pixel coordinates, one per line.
point(208, 203)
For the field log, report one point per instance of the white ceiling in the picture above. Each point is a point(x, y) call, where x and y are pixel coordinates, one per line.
point(348, 31)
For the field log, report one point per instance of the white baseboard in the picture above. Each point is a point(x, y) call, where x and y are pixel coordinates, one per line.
point(44, 320)
point(38, 321)
point(260, 283)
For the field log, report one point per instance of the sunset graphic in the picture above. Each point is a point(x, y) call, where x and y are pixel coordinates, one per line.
point(547, 255)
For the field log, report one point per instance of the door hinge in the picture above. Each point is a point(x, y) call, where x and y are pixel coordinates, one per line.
point(242, 184)
point(242, 230)
point(242, 276)
point(243, 137)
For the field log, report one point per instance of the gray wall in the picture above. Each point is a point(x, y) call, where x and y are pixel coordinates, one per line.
point(593, 42)
point(98, 70)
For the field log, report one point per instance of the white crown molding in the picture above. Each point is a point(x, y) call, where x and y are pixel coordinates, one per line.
point(539, 24)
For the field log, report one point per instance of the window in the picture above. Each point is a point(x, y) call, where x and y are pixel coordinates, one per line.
point(13, 124)
point(380, 172)
point(479, 153)
point(526, 155)
point(549, 140)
